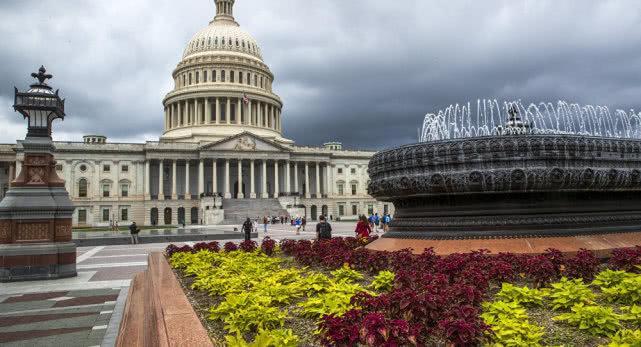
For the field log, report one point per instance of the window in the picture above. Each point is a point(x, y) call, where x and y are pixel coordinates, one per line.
point(184, 82)
point(340, 189)
point(124, 190)
point(222, 76)
point(255, 80)
point(341, 210)
point(354, 210)
point(105, 190)
point(190, 78)
point(370, 210)
point(82, 188)
point(240, 77)
point(82, 216)
point(353, 171)
point(59, 167)
point(249, 79)
point(125, 168)
point(105, 215)
point(197, 77)
point(213, 76)
point(124, 214)
point(353, 189)
point(340, 171)
point(106, 168)
point(83, 168)
point(232, 76)
point(205, 74)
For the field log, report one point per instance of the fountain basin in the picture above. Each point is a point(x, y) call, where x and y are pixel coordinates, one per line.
point(511, 186)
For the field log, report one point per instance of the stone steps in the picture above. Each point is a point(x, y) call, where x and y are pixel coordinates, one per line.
point(237, 210)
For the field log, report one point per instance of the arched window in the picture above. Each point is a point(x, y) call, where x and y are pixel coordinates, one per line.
point(197, 77)
point(205, 76)
point(222, 76)
point(255, 80)
point(261, 81)
point(249, 79)
point(213, 76)
point(190, 78)
point(82, 188)
point(184, 80)
point(231, 76)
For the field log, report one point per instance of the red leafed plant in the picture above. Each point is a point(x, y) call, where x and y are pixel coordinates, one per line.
point(248, 246)
point(626, 258)
point(268, 246)
point(230, 247)
point(583, 265)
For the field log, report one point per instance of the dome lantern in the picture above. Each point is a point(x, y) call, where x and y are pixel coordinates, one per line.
point(225, 11)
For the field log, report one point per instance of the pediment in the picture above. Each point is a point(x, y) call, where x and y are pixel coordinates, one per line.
point(245, 142)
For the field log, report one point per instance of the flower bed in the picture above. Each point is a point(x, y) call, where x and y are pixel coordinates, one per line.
point(337, 293)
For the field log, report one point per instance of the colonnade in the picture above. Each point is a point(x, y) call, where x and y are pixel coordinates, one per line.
point(256, 170)
point(222, 110)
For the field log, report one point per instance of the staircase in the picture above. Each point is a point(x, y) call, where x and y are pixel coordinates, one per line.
point(237, 210)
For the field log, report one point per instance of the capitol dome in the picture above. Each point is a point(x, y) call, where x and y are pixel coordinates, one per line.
point(222, 87)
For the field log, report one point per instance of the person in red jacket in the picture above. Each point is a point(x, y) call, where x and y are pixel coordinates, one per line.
point(362, 228)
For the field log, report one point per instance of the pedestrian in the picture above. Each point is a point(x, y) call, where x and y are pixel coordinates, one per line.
point(377, 221)
point(298, 225)
point(370, 220)
point(134, 230)
point(386, 220)
point(323, 229)
point(247, 229)
point(255, 225)
point(265, 221)
point(303, 222)
point(362, 228)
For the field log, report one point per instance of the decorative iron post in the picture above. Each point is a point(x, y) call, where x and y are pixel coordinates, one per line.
point(35, 214)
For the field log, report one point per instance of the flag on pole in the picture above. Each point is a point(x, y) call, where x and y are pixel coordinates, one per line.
point(245, 99)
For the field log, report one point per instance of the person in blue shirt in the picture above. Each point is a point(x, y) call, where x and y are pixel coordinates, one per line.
point(377, 220)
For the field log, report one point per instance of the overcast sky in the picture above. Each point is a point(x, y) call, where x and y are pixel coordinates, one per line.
point(364, 72)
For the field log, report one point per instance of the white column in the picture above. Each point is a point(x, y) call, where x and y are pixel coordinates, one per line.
point(296, 186)
point(12, 172)
point(161, 188)
point(327, 179)
point(228, 113)
point(147, 180)
point(276, 180)
point(288, 181)
point(318, 187)
point(185, 116)
point(207, 112)
point(250, 116)
point(239, 103)
point(214, 177)
point(173, 180)
point(307, 194)
point(187, 190)
point(264, 193)
point(201, 177)
point(259, 113)
point(217, 110)
point(196, 112)
point(227, 192)
point(252, 179)
point(240, 180)
point(19, 167)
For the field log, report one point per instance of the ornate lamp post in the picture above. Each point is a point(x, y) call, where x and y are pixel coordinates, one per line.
point(35, 215)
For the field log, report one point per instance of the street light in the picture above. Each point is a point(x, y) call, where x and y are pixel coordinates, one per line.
point(40, 104)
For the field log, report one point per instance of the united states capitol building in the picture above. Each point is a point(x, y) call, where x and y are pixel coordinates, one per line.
point(222, 156)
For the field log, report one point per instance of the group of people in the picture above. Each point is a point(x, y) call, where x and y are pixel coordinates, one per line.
point(366, 225)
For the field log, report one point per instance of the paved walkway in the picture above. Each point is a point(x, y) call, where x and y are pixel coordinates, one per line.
point(86, 310)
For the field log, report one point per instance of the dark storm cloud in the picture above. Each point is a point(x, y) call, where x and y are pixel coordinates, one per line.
point(364, 72)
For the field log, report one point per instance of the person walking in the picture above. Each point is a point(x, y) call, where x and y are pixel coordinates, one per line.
point(255, 225)
point(362, 228)
point(134, 230)
point(247, 229)
point(303, 222)
point(377, 221)
point(323, 229)
point(298, 225)
point(386, 220)
point(265, 221)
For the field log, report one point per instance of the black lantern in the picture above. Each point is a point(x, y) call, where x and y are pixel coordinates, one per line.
point(40, 104)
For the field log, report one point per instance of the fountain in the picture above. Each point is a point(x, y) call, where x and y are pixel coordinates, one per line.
point(507, 170)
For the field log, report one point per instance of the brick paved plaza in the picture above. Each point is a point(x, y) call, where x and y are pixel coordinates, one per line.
point(86, 310)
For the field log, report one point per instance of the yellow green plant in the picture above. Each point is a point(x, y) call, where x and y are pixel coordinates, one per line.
point(609, 278)
point(384, 281)
point(496, 311)
point(568, 293)
point(596, 320)
point(628, 291)
point(516, 333)
point(521, 295)
point(265, 338)
point(626, 338)
point(632, 313)
point(346, 274)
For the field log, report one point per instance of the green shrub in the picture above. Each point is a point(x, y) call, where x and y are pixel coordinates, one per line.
point(265, 338)
point(346, 274)
point(628, 291)
point(244, 312)
point(516, 333)
point(316, 283)
point(335, 302)
point(497, 311)
point(384, 281)
point(521, 295)
point(626, 338)
point(567, 293)
point(609, 278)
point(596, 320)
point(632, 313)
